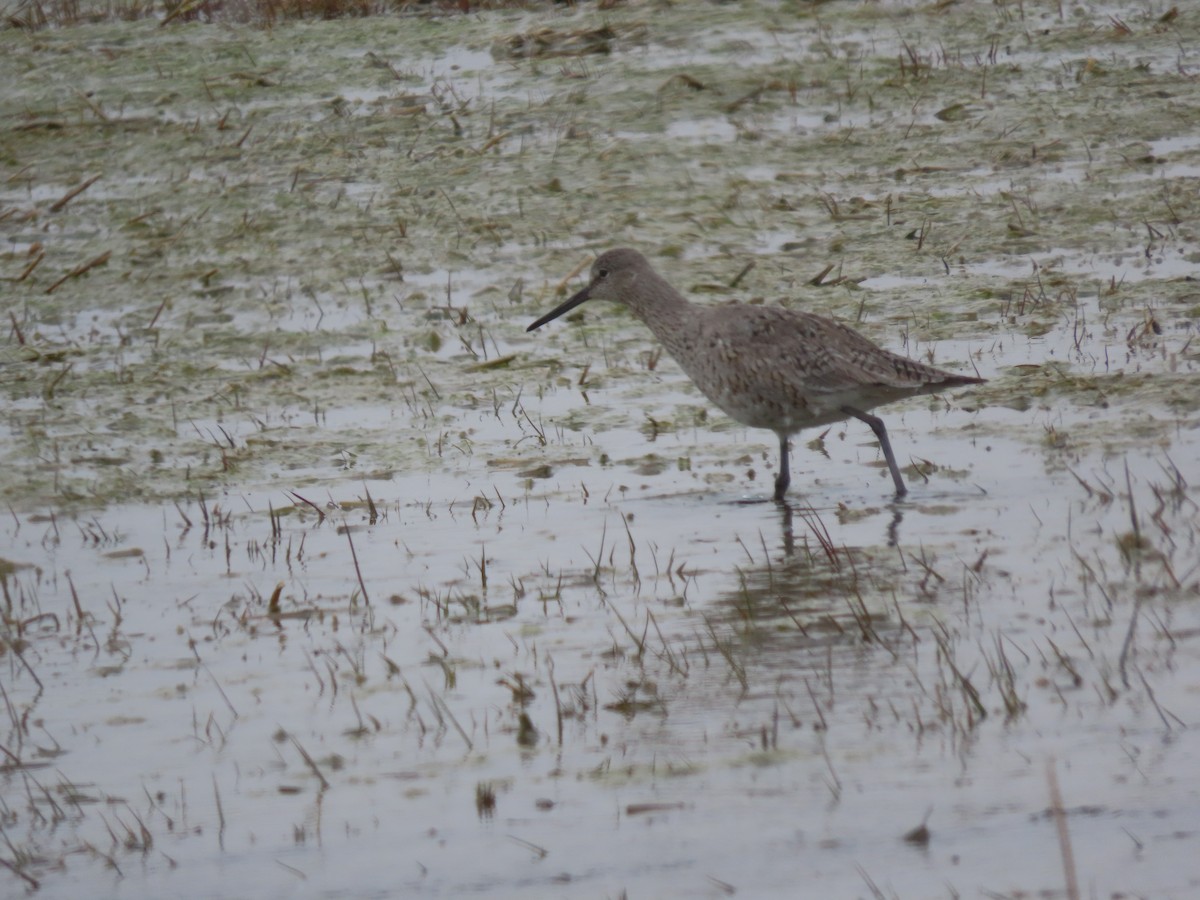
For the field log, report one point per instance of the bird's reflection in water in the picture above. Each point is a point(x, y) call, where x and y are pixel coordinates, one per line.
point(812, 518)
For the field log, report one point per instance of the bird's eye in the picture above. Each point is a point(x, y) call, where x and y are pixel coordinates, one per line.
point(601, 274)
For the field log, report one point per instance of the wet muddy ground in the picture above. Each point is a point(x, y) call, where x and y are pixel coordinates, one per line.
point(322, 577)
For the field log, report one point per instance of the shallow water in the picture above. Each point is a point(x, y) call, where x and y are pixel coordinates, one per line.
point(224, 674)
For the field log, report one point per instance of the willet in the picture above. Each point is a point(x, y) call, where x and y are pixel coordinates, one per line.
point(765, 366)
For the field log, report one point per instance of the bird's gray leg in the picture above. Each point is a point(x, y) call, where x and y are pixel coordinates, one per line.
point(784, 478)
point(876, 425)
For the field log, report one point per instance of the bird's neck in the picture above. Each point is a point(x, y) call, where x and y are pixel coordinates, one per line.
point(664, 311)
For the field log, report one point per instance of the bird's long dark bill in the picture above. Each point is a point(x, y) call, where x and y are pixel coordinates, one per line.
point(558, 311)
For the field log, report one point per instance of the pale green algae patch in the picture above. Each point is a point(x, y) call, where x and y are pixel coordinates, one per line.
point(351, 216)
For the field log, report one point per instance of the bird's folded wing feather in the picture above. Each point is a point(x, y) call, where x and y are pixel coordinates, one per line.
point(823, 354)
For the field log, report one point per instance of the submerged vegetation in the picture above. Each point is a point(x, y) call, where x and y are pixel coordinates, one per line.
point(37, 14)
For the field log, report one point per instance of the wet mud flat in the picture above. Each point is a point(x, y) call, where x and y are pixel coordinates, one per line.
point(322, 576)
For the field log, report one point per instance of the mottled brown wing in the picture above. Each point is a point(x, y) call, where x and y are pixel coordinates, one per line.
point(816, 354)
point(859, 360)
